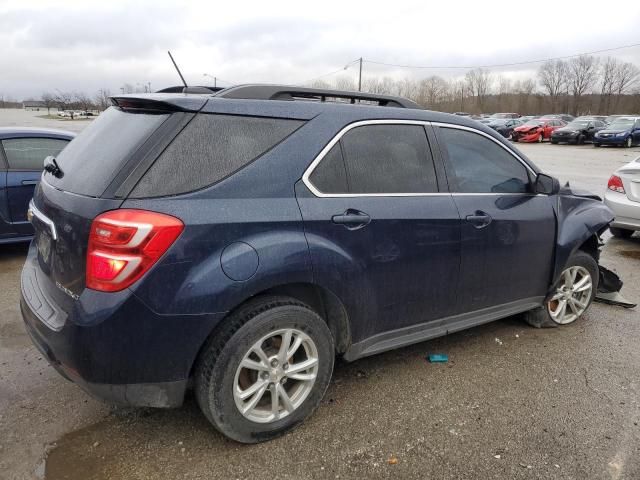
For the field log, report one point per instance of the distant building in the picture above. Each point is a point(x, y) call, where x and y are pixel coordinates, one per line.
point(35, 105)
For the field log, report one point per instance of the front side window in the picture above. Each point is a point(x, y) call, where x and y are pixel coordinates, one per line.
point(29, 153)
point(480, 165)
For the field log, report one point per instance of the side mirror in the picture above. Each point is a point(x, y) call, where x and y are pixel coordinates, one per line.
point(546, 184)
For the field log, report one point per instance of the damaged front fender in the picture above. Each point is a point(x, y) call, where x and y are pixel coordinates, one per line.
point(581, 217)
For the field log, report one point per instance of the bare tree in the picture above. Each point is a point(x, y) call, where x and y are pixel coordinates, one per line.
point(608, 71)
point(384, 86)
point(102, 100)
point(583, 73)
point(478, 82)
point(49, 101)
point(554, 78)
point(62, 99)
point(432, 91)
point(345, 83)
point(83, 101)
point(407, 88)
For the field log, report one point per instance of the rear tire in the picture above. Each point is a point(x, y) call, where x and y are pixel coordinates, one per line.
point(247, 353)
point(596, 145)
point(621, 232)
point(542, 317)
point(555, 142)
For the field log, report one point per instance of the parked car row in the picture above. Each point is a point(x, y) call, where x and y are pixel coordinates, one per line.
point(76, 113)
point(619, 130)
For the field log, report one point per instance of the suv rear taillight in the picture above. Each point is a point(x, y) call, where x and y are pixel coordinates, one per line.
point(615, 184)
point(124, 244)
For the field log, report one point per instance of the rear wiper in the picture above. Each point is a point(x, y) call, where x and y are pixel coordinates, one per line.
point(51, 166)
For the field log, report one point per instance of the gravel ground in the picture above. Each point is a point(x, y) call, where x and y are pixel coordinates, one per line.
point(513, 402)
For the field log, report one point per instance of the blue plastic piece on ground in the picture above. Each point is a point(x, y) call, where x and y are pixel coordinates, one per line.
point(438, 358)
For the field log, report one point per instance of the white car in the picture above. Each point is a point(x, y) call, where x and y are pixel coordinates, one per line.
point(623, 197)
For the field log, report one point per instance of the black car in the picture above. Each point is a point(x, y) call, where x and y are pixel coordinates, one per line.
point(238, 242)
point(504, 126)
point(577, 132)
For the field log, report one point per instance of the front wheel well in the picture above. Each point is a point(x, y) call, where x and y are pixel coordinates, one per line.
point(592, 245)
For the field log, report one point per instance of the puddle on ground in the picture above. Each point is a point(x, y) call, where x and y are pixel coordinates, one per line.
point(635, 254)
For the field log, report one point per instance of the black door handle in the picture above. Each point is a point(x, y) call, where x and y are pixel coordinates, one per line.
point(479, 219)
point(352, 219)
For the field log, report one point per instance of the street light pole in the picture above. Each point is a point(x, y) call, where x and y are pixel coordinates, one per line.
point(360, 77)
point(215, 79)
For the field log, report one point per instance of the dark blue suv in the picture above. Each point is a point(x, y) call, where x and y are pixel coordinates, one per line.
point(239, 241)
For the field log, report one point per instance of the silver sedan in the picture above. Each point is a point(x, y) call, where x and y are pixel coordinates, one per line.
point(623, 197)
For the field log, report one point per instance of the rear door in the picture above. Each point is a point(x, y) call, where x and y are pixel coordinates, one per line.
point(382, 235)
point(508, 232)
point(25, 157)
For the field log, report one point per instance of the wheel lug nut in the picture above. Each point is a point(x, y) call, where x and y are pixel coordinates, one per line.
point(264, 375)
point(284, 380)
point(274, 363)
point(285, 366)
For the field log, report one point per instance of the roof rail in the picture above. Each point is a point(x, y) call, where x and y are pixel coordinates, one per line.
point(287, 92)
point(194, 89)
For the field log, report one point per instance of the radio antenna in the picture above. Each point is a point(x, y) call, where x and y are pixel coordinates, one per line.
point(177, 69)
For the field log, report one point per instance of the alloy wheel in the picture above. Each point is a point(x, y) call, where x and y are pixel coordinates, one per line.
point(276, 375)
point(572, 295)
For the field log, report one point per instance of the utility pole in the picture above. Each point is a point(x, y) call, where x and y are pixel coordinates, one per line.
point(360, 77)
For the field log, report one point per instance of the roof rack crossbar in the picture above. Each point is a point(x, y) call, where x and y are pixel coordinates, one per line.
point(286, 92)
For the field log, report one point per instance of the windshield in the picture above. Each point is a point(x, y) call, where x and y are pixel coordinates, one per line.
point(622, 124)
point(579, 124)
point(534, 123)
point(498, 121)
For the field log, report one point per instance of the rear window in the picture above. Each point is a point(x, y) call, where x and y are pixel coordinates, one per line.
point(209, 149)
point(93, 158)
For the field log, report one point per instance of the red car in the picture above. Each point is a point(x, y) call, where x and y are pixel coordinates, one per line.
point(536, 130)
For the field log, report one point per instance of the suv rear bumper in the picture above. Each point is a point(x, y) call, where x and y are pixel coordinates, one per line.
point(160, 394)
point(112, 345)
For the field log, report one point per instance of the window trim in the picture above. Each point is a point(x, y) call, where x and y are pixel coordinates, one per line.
point(316, 161)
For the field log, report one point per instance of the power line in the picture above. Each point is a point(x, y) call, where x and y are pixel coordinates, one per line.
point(330, 73)
point(496, 65)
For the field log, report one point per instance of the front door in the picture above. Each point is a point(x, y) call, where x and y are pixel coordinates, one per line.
point(508, 232)
point(25, 157)
point(382, 236)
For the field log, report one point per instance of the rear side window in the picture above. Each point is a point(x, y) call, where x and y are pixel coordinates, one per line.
point(330, 175)
point(389, 159)
point(209, 149)
point(91, 161)
point(482, 166)
point(29, 153)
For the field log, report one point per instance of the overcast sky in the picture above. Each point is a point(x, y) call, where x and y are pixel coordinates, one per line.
point(85, 45)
